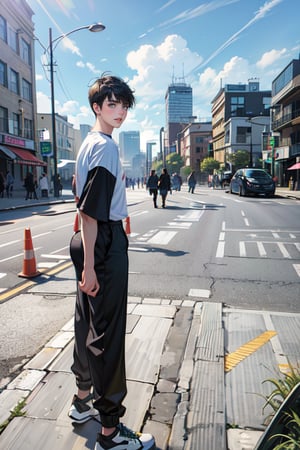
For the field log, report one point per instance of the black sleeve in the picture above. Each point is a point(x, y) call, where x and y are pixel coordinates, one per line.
point(97, 193)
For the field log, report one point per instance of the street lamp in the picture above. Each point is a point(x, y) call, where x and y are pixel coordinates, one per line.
point(93, 28)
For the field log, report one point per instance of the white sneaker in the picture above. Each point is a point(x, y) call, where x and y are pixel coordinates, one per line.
point(125, 439)
point(82, 410)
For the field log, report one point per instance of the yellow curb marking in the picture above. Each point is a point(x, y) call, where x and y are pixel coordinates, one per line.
point(12, 292)
point(234, 358)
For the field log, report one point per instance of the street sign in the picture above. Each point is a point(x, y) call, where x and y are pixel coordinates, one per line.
point(46, 149)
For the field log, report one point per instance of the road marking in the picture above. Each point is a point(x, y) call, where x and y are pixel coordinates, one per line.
point(261, 249)
point(204, 293)
point(246, 222)
point(222, 236)
point(242, 249)
point(11, 257)
point(9, 243)
point(297, 268)
point(220, 249)
point(234, 358)
point(2, 275)
point(162, 237)
point(275, 342)
point(53, 256)
point(283, 250)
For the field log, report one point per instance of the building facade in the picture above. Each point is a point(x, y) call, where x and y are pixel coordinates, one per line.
point(179, 113)
point(286, 123)
point(240, 114)
point(68, 141)
point(18, 136)
point(194, 145)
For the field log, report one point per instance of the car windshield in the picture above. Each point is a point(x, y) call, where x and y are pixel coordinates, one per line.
point(252, 173)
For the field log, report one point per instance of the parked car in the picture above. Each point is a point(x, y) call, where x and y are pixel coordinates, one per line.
point(225, 179)
point(252, 181)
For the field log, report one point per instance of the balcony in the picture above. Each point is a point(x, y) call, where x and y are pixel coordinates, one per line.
point(286, 120)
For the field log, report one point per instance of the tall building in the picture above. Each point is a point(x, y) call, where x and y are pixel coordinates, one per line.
point(129, 143)
point(179, 112)
point(240, 114)
point(286, 123)
point(18, 137)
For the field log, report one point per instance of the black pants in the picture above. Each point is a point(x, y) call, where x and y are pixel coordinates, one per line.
point(153, 192)
point(100, 323)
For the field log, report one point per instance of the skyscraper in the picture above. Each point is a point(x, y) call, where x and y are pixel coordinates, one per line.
point(179, 111)
point(129, 143)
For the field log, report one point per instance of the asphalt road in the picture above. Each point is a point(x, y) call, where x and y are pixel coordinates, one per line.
point(243, 252)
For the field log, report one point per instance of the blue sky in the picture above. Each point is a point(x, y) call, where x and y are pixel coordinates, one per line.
point(151, 43)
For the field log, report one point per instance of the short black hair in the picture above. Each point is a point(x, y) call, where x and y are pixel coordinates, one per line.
point(108, 86)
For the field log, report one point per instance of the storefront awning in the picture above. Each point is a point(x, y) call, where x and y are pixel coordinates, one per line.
point(26, 158)
point(5, 153)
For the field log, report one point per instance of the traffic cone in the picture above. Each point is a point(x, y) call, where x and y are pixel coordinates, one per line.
point(127, 225)
point(29, 265)
point(76, 224)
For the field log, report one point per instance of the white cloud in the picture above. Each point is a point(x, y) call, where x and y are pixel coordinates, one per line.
point(39, 77)
point(270, 57)
point(155, 66)
point(80, 64)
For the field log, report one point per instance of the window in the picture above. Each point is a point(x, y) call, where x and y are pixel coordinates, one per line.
point(3, 120)
point(237, 106)
point(25, 52)
point(3, 74)
point(28, 129)
point(199, 139)
point(26, 90)
point(241, 133)
point(198, 149)
point(14, 81)
point(3, 29)
point(15, 124)
point(13, 39)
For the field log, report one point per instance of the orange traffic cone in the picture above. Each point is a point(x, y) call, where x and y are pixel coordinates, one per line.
point(29, 265)
point(76, 224)
point(127, 225)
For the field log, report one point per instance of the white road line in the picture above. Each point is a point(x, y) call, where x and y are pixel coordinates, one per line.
point(220, 249)
point(246, 222)
point(292, 236)
point(261, 249)
point(283, 250)
point(243, 214)
point(242, 249)
point(162, 237)
point(2, 275)
point(222, 236)
point(51, 256)
point(223, 226)
point(297, 269)
point(11, 257)
point(138, 249)
point(42, 234)
point(9, 243)
point(275, 235)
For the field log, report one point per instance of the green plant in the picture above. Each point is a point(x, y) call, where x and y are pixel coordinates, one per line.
point(292, 440)
point(289, 436)
point(16, 412)
point(283, 387)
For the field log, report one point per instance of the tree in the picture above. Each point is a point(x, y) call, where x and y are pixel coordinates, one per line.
point(239, 159)
point(174, 162)
point(209, 165)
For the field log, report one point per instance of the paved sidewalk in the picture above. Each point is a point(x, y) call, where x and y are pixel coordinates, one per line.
point(188, 374)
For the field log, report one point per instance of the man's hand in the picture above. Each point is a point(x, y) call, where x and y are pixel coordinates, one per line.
point(89, 283)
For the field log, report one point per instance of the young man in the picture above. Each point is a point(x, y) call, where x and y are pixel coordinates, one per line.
point(99, 254)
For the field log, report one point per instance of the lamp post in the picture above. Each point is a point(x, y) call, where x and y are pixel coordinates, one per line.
point(93, 28)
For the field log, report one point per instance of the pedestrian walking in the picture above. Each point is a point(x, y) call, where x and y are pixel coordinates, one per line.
point(191, 181)
point(44, 185)
point(2, 185)
point(9, 184)
point(164, 184)
point(152, 185)
point(30, 186)
point(99, 253)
